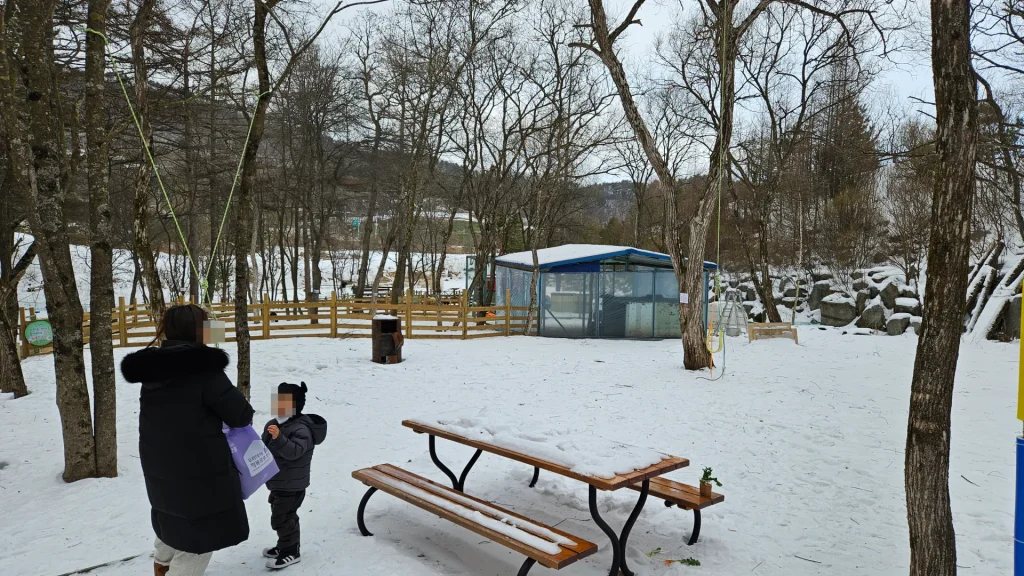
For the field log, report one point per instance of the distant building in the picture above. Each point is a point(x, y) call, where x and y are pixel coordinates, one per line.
point(592, 291)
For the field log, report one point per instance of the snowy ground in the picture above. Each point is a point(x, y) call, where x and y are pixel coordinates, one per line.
point(807, 440)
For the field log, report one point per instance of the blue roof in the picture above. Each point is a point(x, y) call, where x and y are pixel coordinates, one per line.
point(571, 254)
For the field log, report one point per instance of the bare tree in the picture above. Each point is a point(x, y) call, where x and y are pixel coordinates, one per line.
point(932, 538)
point(34, 124)
point(101, 290)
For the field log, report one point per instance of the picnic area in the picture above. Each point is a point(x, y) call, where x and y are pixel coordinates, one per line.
point(561, 455)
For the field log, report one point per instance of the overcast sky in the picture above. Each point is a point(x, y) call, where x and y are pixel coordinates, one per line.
point(904, 81)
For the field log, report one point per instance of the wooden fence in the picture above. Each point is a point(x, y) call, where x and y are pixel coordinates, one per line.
point(422, 317)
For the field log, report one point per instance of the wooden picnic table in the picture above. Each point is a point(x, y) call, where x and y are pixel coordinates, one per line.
point(622, 480)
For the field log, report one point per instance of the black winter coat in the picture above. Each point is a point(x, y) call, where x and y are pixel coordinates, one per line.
point(193, 485)
point(293, 450)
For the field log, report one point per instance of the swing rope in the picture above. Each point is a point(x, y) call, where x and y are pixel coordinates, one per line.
point(203, 278)
point(726, 21)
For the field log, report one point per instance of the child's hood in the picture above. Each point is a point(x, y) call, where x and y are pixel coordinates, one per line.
point(317, 425)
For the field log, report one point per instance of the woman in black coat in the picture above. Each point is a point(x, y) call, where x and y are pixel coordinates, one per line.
point(193, 485)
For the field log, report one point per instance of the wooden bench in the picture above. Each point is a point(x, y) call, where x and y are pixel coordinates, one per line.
point(684, 496)
point(541, 544)
point(772, 330)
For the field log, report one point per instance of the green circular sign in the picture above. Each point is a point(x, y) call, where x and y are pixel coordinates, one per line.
point(39, 333)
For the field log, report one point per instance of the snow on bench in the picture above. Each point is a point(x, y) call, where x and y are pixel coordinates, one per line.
point(551, 548)
point(582, 454)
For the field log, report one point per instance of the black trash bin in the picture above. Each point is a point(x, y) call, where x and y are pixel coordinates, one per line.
point(387, 339)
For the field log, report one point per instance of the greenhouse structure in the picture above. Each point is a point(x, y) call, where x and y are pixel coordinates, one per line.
point(591, 291)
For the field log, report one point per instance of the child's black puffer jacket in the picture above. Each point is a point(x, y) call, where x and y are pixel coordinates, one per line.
point(293, 450)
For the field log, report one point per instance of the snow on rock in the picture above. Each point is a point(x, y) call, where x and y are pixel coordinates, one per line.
point(908, 302)
point(838, 298)
point(584, 454)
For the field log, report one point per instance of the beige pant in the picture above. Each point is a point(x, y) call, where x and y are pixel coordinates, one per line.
point(180, 563)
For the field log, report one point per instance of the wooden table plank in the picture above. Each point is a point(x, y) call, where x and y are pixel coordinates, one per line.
point(616, 483)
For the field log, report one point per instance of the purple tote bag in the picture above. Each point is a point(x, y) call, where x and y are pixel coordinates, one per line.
point(253, 459)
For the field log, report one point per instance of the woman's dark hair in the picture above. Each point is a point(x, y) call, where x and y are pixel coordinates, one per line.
point(183, 323)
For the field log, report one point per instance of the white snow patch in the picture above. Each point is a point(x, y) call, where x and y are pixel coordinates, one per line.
point(582, 453)
point(907, 302)
point(505, 526)
point(839, 298)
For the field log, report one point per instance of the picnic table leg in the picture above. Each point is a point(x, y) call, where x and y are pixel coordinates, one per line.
point(536, 475)
point(616, 549)
point(526, 566)
point(362, 508)
point(696, 523)
point(644, 489)
point(696, 527)
point(457, 483)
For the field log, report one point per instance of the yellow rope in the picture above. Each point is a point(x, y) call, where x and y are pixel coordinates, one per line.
point(726, 23)
point(203, 279)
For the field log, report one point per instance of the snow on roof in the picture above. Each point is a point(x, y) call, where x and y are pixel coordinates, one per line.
point(575, 253)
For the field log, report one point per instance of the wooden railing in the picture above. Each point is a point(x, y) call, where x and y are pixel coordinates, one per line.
point(422, 317)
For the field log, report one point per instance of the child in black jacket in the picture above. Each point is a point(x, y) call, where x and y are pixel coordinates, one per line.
point(291, 438)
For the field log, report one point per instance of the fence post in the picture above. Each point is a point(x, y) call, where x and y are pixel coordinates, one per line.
point(122, 321)
point(266, 316)
point(465, 315)
point(408, 313)
point(334, 314)
point(22, 323)
point(508, 312)
point(135, 311)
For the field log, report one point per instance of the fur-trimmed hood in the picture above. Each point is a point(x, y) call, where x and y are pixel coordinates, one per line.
point(171, 360)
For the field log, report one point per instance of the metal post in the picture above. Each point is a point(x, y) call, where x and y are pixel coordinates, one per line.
point(1018, 523)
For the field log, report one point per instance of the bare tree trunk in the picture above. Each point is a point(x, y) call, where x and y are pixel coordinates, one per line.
point(364, 244)
point(12, 378)
point(101, 291)
point(932, 538)
point(30, 108)
point(690, 277)
point(243, 222)
point(141, 239)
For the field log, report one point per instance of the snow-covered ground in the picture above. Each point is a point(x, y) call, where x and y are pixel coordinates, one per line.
point(807, 440)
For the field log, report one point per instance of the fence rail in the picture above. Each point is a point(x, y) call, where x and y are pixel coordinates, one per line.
point(422, 317)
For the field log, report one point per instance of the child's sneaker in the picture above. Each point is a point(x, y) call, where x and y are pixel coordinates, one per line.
point(284, 560)
point(271, 552)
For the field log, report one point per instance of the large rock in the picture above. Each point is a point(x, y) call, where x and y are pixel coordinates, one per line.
point(860, 285)
point(749, 294)
point(862, 301)
point(873, 317)
point(915, 323)
point(1011, 318)
point(907, 292)
point(857, 275)
point(889, 294)
point(820, 291)
point(908, 306)
point(819, 276)
point(837, 310)
point(791, 293)
point(898, 324)
point(872, 292)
